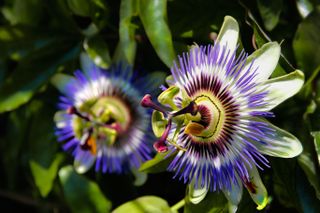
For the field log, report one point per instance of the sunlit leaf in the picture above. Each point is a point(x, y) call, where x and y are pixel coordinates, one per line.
point(127, 46)
point(144, 204)
point(154, 18)
point(81, 194)
point(42, 146)
point(44, 176)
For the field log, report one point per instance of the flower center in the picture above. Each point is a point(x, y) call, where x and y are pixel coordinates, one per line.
point(100, 120)
point(212, 116)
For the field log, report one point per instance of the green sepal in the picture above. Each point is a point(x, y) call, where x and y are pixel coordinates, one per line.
point(159, 123)
point(167, 96)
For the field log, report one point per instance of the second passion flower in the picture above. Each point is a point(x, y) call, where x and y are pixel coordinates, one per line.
point(100, 119)
point(213, 117)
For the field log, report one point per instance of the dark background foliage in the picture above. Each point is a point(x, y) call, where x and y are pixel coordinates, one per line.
point(39, 39)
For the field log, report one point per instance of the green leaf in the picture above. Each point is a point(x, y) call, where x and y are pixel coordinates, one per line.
point(25, 12)
point(60, 80)
point(44, 161)
point(81, 194)
point(44, 176)
point(316, 136)
point(80, 7)
point(308, 202)
point(100, 3)
point(32, 72)
point(158, 164)
point(97, 50)
point(200, 18)
point(270, 12)
point(310, 168)
point(285, 181)
point(60, 11)
point(214, 202)
point(145, 204)
point(154, 19)
point(306, 43)
point(17, 42)
point(12, 144)
point(260, 39)
point(126, 49)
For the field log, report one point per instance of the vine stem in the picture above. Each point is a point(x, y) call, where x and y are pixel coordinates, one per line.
point(178, 205)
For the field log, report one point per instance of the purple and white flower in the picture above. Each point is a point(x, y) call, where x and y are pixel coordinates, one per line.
point(100, 119)
point(213, 117)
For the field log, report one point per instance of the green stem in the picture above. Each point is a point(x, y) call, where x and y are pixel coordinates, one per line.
point(178, 205)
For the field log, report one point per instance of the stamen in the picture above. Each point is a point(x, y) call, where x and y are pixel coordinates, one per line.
point(73, 110)
point(192, 108)
point(147, 102)
point(160, 145)
point(84, 143)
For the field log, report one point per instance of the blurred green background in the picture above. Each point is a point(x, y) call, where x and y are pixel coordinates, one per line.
point(39, 39)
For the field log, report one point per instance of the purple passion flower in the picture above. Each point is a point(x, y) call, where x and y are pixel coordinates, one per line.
point(101, 121)
point(213, 117)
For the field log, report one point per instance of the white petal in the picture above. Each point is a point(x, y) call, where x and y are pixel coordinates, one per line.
point(234, 196)
point(83, 161)
point(197, 195)
point(264, 60)
point(280, 143)
point(229, 33)
point(282, 88)
point(256, 188)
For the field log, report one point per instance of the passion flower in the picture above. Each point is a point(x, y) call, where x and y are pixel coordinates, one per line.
point(213, 115)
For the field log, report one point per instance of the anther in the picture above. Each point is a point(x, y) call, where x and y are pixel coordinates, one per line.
point(192, 108)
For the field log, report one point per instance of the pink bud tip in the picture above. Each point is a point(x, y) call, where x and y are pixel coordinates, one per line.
point(71, 110)
point(160, 146)
point(146, 101)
